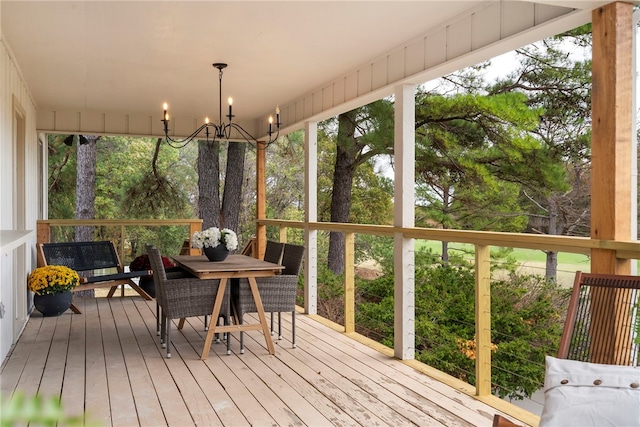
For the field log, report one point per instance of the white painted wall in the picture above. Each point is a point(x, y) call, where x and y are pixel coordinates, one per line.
point(17, 259)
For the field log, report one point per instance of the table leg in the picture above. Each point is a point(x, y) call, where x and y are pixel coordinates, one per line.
point(261, 315)
point(214, 318)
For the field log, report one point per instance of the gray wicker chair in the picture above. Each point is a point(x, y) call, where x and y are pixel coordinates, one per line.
point(278, 293)
point(273, 252)
point(183, 297)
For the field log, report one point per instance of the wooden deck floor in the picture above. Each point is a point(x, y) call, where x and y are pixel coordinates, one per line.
point(109, 363)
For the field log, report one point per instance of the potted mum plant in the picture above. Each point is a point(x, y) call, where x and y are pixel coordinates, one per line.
point(52, 285)
point(215, 243)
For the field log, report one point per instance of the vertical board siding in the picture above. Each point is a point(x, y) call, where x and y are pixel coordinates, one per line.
point(14, 93)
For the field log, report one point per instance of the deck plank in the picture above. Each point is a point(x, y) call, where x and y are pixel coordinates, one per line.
point(123, 409)
point(174, 409)
point(96, 386)
point(16, 363)
point(348, 397)
point(29, 382)
point(194, 398)
point(147, 404)
point(413, 381)
point(217, 397)
point(73, 387)
point(53, 374)
point(109, 362)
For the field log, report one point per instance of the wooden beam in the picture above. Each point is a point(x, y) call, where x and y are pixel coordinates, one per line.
point(611, 149)
point(261, 198)
point(349, 283)
point(483, 320)
point(611, 133)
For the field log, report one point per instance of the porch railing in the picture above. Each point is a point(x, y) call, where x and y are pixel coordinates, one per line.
point(482, 243)
point(44, 228)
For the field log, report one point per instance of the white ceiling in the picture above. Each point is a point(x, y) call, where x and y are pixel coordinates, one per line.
point(132, 56)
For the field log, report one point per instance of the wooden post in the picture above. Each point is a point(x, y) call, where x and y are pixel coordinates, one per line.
point(43, 233)
point(261, 197)
point(310, 216)
point(483, 320)
point(611, 149)
point(349, 283)
point(611, 138)
point(193, 227)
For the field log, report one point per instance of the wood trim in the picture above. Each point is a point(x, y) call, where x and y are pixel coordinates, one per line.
point(483, 320)
point(261, 198)
point(349, 283)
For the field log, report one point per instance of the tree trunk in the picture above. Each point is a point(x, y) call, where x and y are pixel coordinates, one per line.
point(551, 268)
point(342, 181)
point(232, 197)
point(209, 183)
point(86, 187)
point(446, 204)
point(445, 252)
point(86, 193)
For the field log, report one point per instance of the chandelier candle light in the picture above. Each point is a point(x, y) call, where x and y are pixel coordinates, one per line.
point(221, 130)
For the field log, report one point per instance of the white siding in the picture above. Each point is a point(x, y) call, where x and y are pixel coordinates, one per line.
point(15, 263)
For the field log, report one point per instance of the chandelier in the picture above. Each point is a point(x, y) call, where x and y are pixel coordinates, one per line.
point(221, 130)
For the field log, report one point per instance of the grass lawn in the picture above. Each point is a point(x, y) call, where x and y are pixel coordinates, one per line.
point(530, 260)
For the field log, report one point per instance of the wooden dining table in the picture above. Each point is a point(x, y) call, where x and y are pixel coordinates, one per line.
point(234, 266)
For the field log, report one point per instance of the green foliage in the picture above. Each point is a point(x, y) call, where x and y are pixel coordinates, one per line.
point(126, 188)
point(37, 411)
point(526, 321)
point(470, 151)
point(371, 198)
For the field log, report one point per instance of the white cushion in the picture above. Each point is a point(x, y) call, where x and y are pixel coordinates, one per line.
point(590, 394)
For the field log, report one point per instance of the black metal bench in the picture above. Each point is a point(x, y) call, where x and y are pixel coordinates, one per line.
point(90, 259)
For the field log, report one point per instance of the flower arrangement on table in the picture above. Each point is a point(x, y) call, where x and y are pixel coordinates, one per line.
point(212, 237)
point(52, 279)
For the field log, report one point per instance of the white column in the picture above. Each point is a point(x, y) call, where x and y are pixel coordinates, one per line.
point(311, 215)
point(404, 205)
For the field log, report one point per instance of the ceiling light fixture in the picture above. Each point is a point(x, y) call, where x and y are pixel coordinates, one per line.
point(221, 130)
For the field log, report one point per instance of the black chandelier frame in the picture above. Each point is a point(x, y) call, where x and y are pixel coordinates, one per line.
point(221, 131)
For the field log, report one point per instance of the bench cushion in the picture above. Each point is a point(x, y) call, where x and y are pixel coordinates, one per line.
point(115, 276)
point(590, 394)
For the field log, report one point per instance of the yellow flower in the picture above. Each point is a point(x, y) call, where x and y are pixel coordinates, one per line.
point(468, 348)
point(52, 279)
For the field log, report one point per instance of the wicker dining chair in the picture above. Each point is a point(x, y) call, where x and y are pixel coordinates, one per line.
point(278, 293)
point(273, 252)
point(182, 298)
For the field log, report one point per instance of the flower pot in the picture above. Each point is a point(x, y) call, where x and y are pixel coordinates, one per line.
point(216, 253)
point(54, 304)
point(147, 285)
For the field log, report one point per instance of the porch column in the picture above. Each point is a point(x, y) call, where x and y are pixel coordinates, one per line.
point(311, 215)
point(611, 143)
point(261, 198)
point(611, 173)
point(404, 207)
